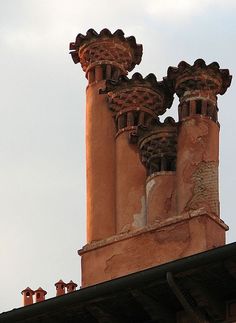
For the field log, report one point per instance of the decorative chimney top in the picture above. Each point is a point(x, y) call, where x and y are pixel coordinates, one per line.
point(138, 101)
point(199, 76)
point(139, 91)
point(158, 147)
point(197, 87)
point(106, 48)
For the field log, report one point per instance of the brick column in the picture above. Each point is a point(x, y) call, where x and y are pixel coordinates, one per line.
point(136, 104)
point(197, 87)
point(102, 56)
point(158, 154)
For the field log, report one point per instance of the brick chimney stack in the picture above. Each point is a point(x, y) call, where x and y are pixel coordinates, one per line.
point(136, 104)
point(103, 56)
point(158, 153)
point(197, 87)
point(152, 187)
point(27, 296)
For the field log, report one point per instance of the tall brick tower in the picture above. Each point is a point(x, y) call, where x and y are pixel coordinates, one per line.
point(152, 187)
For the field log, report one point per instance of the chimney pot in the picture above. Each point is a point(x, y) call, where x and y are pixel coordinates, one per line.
point(40, 295)
point(60, 288)
point(27, 296)
point(71, 286)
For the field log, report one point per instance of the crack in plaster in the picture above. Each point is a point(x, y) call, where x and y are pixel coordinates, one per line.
point(110, 262)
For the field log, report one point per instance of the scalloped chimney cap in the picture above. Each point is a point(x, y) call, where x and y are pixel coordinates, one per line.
point(92, 36)
point(200, 70)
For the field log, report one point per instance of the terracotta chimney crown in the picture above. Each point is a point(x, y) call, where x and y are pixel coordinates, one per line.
point(137, 102)
point(197, 87)
point(115, 53)
point(158, 147)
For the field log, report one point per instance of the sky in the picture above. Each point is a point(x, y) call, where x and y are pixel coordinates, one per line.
point(42, 120)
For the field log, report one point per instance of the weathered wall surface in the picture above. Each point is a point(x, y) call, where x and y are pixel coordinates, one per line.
point(197, 165)
point(130, 186)
point(154, 246)
point(161, 196)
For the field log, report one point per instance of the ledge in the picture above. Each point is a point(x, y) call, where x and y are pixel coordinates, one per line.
point(149, 228)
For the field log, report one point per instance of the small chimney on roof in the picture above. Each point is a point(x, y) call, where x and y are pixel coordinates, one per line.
point(60, 288)
point(40, 295)
point(27, 296)
point(71, 286)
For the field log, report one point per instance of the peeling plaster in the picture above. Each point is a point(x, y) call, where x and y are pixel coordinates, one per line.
point(149, 186)
point(140, 218)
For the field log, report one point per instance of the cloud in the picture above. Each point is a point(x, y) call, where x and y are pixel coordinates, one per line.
point(184, 9)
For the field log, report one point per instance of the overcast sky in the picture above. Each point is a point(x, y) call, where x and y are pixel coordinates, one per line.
point(42, 95)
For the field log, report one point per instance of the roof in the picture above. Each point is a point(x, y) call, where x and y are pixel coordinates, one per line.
point(202, 282)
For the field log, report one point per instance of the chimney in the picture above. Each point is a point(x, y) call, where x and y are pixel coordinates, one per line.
point(40, 295)
point(60, 288)
point(197, 87)
point(103, 56)
point(27, 296)
point(136, 104)
point(71, 286)
point(152, 187)
point(157, 149)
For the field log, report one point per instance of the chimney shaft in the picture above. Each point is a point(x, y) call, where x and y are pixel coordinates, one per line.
point(102, 56)
point(198, 140)
point(197, 87)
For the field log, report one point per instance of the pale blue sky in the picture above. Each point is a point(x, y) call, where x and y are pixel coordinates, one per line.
point(42, 151)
